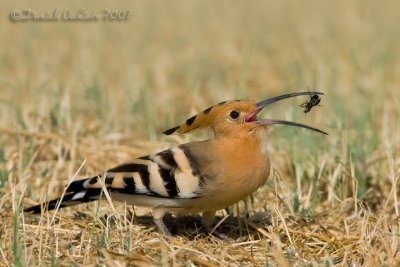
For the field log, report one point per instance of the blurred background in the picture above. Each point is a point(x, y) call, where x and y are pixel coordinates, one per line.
point(134, 79)
point(104, 91)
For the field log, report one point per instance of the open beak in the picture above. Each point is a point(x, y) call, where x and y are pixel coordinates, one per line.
point(252, 116)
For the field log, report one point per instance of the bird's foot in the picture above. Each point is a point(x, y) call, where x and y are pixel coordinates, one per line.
point(161, 226)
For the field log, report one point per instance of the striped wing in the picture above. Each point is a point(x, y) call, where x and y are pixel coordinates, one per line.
point(172, 173)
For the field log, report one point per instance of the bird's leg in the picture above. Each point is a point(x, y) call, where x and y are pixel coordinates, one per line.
point(158, 216)
point(208, 219)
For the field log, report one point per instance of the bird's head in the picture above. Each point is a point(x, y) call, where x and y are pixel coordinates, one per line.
point(233, 118)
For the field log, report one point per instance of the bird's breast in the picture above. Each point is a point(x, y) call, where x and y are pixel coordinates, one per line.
point(241, 173)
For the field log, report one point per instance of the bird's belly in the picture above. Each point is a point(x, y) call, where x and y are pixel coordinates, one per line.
point(219, 198)
point(229, 193)
point(146, 201)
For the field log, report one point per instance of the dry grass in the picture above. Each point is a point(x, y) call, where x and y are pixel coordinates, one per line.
point(76, 96)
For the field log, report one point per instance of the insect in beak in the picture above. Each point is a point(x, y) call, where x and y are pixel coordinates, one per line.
point(252, 116)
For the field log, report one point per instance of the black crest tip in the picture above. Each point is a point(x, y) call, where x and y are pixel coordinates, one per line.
point(190, 121)
point(171, 131)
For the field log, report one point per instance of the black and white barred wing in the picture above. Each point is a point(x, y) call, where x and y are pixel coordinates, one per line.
point(170, 174)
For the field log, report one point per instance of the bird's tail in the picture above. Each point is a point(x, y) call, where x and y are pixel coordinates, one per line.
point(130, 178)
point(78, 192)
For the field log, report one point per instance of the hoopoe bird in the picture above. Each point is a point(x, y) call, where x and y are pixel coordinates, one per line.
point(202, 176)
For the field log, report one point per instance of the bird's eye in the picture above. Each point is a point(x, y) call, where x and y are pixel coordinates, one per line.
point(234, 114)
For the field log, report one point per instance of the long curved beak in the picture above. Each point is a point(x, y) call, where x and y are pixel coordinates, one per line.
point(252, 116)
point(270, 122)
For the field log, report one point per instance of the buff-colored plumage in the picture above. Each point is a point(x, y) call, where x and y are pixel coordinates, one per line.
point(202, 176)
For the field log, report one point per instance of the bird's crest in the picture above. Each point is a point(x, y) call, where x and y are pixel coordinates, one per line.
point(208, 116)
